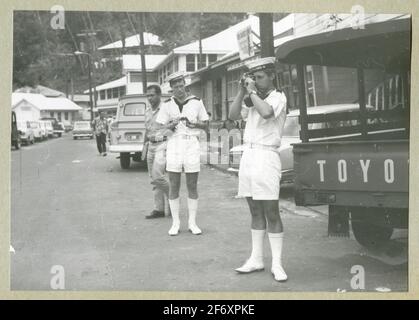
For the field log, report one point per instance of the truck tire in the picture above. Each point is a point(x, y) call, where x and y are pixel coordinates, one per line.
point(59, 135)
point(369, 235)
point(125, 159)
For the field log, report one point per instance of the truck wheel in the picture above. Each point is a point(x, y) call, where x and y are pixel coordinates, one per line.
point(59, 135)
point(367, 234)
point(125, 160)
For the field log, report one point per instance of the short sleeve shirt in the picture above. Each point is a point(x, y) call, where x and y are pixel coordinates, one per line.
point(193, 109)
point(101, 126)
point(152, 127)
point(266, 131)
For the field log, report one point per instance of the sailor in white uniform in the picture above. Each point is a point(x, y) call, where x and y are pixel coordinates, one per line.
point(186, 116)
point(264, 109)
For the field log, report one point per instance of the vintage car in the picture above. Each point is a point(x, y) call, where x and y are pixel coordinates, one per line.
point(15, 133)
point(291, 136)
point(48, 127)
point(37, 130)
point(82, 129)
point(44, 130)
point(58, 129)
point(127, 131)
point(27, 136)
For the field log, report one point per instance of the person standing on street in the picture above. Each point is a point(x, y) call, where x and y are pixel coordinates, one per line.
point(100, 126)
point(186, 116)
point(264, 109)
point(155, 153)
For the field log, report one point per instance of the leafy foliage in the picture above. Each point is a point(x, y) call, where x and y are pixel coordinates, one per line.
point(42, 55)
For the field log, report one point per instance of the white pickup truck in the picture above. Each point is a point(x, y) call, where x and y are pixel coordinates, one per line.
point(127, 131)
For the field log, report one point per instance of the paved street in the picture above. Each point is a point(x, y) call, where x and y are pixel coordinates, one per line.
point(72, 208)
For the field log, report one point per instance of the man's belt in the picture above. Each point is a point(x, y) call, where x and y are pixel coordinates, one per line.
point(262, 146)
point(186, 136)
point(153, 140)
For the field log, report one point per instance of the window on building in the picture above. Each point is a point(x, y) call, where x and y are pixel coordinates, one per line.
point(66, 115)
point(115, 92)
point(59, 116)
point(212, 58)
point(138, 77)
point(51, 114)
point(164, 72)
point(176, 64)
point(170, 68)
point(122, 91)
point(233, 79)
point(102, 95)
point(109, 94)
point(190, 62)
point(203, 61)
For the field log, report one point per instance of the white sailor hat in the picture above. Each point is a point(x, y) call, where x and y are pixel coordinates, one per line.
point(261, 64)
point(176, 76)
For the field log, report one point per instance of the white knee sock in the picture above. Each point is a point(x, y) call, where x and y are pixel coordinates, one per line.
point(257, 245)
point(174, 208)
point(192, 210)
point(276, 239)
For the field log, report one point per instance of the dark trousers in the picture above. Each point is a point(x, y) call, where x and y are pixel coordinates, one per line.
point(101, 142)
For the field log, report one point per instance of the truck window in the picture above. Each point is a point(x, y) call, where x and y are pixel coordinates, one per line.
point(134, 109)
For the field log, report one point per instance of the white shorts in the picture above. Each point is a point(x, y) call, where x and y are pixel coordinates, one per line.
point(259, 174)
point(184, 154)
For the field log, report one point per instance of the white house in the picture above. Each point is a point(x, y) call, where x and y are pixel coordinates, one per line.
point(108, 94)
point(131, 67)
point(33, 106)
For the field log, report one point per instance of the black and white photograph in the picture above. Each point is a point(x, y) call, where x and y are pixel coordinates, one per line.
point(164, 151)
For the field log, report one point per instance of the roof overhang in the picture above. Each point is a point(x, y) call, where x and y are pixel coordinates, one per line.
point(384, 45)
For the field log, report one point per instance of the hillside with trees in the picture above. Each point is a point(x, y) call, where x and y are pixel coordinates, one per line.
point(42, 55)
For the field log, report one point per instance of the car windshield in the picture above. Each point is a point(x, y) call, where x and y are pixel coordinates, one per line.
point(134, 109)
point(82, 125)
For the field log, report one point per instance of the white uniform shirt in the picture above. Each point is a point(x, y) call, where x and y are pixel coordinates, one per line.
point(265, 131)
point(193, 109)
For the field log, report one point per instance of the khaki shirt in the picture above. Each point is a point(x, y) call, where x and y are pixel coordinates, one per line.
point(151, 126)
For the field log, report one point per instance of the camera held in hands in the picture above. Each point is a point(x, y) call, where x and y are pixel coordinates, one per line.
point(244, 77)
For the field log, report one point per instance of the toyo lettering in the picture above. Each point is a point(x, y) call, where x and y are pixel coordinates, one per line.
point(342, 170)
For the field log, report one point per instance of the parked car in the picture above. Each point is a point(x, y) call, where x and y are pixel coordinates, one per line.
point(44, 130)
point(49, 128)
point(57, 128)
point(36, 128)
point(15, 133)
point(82, 129)
point(27, 136)
point(290, 136)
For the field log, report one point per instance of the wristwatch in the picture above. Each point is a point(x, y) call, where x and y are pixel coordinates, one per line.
point(252, 92)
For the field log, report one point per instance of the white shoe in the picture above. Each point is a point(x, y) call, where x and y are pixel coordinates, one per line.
point(250, 266)
point(279, 273)
point(174, 230)
point(194, 229)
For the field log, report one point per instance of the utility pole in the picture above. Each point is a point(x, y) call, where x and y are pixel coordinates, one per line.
point(90, 87)
point(143, 66)
point(200, 64)
point(266, 34)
